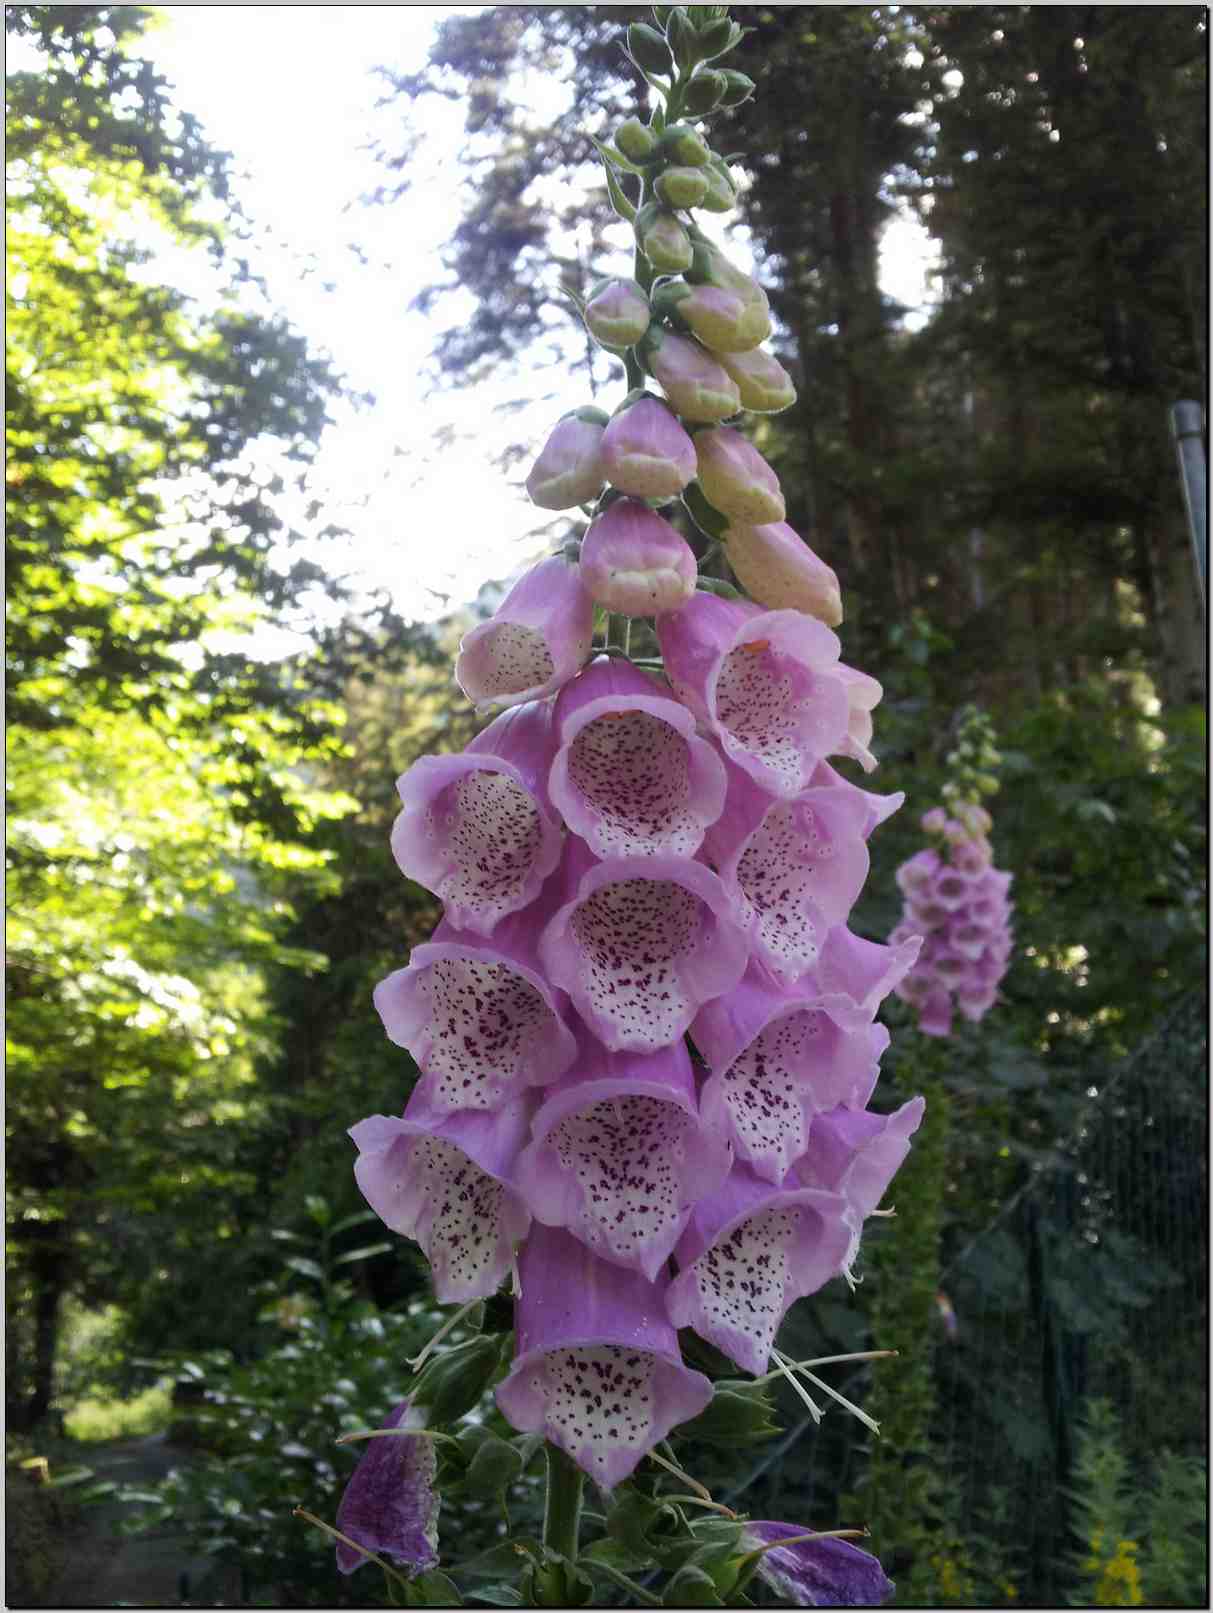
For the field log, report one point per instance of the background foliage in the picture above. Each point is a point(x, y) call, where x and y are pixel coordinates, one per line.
point(201, 894)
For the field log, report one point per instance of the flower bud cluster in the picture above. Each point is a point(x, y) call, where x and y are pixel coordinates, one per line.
point(956, 903)
point(645, 1033)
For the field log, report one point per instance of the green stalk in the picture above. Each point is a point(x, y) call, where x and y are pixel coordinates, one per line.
point(562, 1508)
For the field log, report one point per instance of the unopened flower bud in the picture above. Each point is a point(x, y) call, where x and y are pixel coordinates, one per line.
point(683, 187)
point(724, 321)
point(684, 145)
point(634, 562)
point(635, 139)
point(738, 87)
point(680, 33)
point(648, 47)
point(663, 240)
point(764, 384)
point(737, 479)
point(646, 453)
point(617, 314)
point(721, 195)
point(568, 471)
point(703, 94)
point(694, 382)
point(934, 822)
point(454, 1381)
point(778, 569)
point(710, 267)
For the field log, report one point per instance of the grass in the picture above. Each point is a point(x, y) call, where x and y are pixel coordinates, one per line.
point(147, 1413)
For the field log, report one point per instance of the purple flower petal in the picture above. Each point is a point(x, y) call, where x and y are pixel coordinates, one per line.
point(476, 828)
point(447, 1188)
point(646, 453)
point(857, 1153)
point(631, 776)
point(777, 1058)
point(854, 976)
point(597, 1370)
point(749, 1252)
point(536, 640)
point(818, 1573)
point(765, 682)
point(479, 1018)
point(620, 1155)
point(640, 944)
point(390, 1505)
point(634, 562)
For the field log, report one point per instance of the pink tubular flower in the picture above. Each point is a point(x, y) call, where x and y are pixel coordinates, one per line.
point(877, 808)
point(631, 776)
point(620, 1155)
point(765, 386)
point(779, 570)
point(478, 1017)
point(795, 866)
point(476, 828)
point(863, 696)
point(816, 1573)
point(640, 944)
point(854, 976)
point(736, 479)
point(777, 1058)
point(857, 1153)
point(697, 387)
point(569, 469)
point(749, 1252)
point(390, 1505)
point(598, 1370)
point(446, 1187)
point(765, 682)
point(536, 639)
point(646, 453)
point(636, 563)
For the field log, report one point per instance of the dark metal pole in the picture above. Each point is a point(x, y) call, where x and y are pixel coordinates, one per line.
point(1186, 428)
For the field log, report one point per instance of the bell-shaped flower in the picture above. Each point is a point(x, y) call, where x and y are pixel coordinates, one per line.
point(779, 570)
point(796, 866)
point(640, 944)
point(857, 1153)
point(597, 1370)
point(749, 1251)
point(694, 382)
point(816, 1573)
point(476, 828)
point(863, 696)
point(478, 1016)
point(736, 479)
point(764, 384)
point(636, 563)
point(777, 1058)
point(724, 321)
point(765, 683)
point(447, 1188)
point(536, 639)
point(569, 469)
point(390, 1504)
point(646, 453)
point(854, 976)
point(877, 808)
point(620, 1155)
point(617, 313)
point(632, 776)
point(916, 876)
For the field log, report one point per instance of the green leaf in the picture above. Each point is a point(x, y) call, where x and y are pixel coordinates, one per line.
point(495, 1466)
point(364, 1253)
point(305, 1266)
point(432, 1590)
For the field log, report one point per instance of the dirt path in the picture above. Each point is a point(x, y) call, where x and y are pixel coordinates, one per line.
point(104, 1568)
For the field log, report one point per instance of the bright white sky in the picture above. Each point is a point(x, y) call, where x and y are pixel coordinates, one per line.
point(414, 477)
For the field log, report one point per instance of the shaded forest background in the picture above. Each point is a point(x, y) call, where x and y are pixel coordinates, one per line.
point(201, 895)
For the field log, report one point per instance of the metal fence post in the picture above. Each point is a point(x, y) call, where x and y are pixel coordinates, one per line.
point(1186, 428)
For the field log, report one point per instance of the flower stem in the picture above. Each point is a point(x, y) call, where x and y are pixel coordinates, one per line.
point(562, 1509)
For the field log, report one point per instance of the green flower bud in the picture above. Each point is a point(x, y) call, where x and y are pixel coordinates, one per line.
point(703, 93)
point(682, 40)
point(721, 195)
point(738, 87)
point(685, 146)
point(617, 313)
point(717, 38)
point(649, 50)
point(664, 241)
point(635, 139)
point(453, 1382)
point(683, 187)
point(661, 15)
